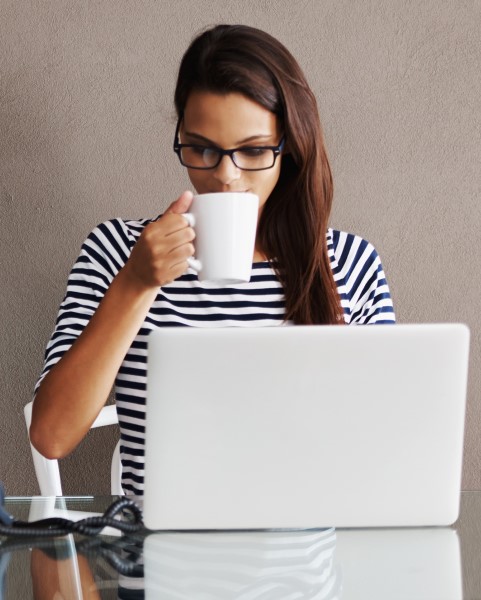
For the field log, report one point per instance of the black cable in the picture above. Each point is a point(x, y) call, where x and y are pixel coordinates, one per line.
point(56, 526)
point(94, 547)
point(110, 551)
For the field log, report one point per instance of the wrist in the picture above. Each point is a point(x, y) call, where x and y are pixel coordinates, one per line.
point(132, 286)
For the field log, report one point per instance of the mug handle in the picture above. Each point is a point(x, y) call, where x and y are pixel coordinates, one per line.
point(191, 261)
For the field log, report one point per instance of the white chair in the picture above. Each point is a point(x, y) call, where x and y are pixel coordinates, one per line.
point(47, 471)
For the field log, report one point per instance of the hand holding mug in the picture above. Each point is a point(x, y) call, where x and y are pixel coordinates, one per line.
point(160, 254)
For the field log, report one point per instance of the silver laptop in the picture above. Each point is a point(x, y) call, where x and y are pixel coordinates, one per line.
point(303, 427)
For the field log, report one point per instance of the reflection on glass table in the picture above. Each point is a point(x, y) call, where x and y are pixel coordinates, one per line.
point(348, 564)
point(267, 564)
point(345, 564)
point(400, 563)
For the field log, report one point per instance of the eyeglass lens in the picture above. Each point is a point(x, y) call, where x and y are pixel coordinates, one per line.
point(248, 158)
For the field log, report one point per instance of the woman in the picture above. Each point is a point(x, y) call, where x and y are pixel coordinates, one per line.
point(238, 89)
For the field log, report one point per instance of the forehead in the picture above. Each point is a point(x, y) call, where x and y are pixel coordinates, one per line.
point(227, 118)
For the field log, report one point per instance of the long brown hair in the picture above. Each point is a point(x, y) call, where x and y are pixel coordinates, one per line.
point(292, 228)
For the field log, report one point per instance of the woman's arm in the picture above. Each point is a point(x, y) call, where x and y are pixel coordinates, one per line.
point(61, 578)
point(73, 392)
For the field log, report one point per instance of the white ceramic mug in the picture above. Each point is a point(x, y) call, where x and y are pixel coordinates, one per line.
point(225, 225)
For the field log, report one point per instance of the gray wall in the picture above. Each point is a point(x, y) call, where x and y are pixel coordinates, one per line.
point(86, 125)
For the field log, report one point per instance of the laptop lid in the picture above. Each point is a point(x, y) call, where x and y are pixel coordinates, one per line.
point(307, 426)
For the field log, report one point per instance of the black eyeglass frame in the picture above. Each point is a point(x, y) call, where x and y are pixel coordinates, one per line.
point(221, 153)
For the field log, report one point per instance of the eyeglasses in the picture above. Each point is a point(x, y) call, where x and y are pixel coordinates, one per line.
point(247, 158)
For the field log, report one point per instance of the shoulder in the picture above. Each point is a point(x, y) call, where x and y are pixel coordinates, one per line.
point(360, 278)
point(109, 244)
point(348, 251)
point(116, 233)
point(120, 228)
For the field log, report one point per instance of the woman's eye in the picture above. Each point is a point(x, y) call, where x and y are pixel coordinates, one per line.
point(253, 152)
point(199, 150)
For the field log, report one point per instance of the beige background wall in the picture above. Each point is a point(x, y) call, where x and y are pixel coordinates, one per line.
point(86, 126)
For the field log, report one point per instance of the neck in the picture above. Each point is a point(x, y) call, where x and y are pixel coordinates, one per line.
point(259, 256)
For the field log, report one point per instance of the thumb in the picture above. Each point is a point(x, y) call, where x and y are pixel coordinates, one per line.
point(182, 204)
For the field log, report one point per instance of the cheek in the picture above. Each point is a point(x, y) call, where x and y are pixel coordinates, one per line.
point(198, 179)
point(269, 184)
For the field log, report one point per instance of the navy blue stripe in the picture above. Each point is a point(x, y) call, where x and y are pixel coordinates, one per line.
point(130, 451)
point(72, 326)
point(132, 371)
point(75, 294)
point(132, 439)
point(130, 426)
point(129, 489)
point(136, 358)
point(223, 291)
point(87, 273)
point(123, 252)
point(134, 476)
point(129, 463)
point(92, 285)
point(210, 304)
point(132, 385)
point(60, 337)
point(99, 258)
point(127, 398)
point(165, 311)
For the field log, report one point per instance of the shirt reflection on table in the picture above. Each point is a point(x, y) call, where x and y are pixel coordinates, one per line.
point(324, 564)
point(220, 565)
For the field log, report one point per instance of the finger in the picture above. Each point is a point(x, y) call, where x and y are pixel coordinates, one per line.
point(167, 225)
point(177, 270)
point(181, 253)
point(180, 236)
point(182, 204)
point(177, 264)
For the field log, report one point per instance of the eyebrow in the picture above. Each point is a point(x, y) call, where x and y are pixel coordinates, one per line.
point(252, 138)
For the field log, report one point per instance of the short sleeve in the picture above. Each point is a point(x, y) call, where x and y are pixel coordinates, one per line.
point(361, 281)
point(101, 257)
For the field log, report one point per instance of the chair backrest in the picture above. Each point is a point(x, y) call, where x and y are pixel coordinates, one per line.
point(47, 471)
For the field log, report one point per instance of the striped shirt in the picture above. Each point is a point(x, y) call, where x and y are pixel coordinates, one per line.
point(355, 264)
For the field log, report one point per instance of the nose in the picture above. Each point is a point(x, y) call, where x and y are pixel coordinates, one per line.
point(226, 172)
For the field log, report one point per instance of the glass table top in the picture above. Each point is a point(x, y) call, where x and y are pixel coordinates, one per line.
point(421, 563)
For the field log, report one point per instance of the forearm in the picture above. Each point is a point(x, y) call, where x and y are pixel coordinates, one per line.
point(58, 577)
point(74, 391)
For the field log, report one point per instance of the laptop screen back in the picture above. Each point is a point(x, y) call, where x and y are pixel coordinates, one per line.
point(308, 426)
